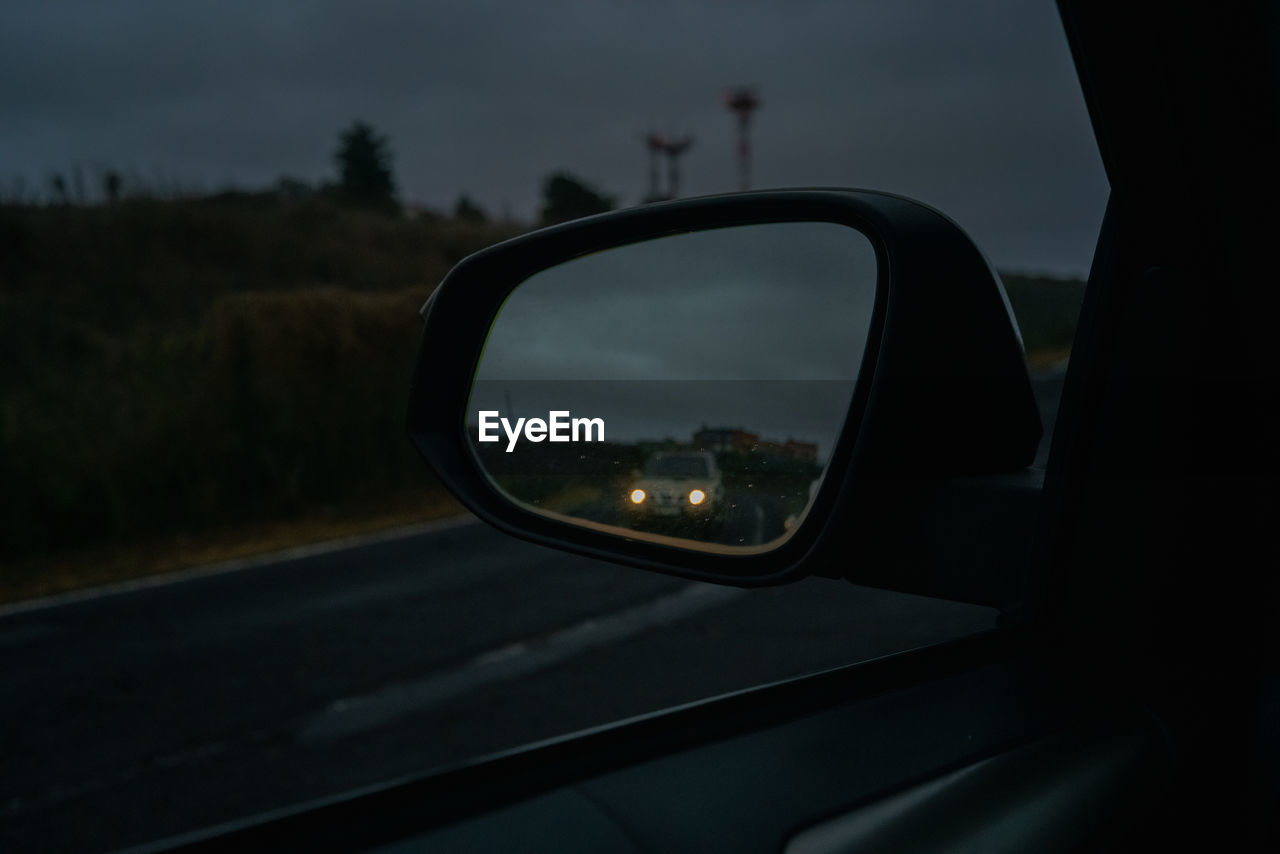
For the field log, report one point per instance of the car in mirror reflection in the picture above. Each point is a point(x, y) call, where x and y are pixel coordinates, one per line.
point(678, 484)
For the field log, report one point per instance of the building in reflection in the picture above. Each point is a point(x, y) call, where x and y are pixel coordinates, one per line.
point(806, 451)
point(726, 440)
point(736, 440)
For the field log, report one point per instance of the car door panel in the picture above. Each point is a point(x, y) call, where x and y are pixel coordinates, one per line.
point(982, 760)
point(788, 758)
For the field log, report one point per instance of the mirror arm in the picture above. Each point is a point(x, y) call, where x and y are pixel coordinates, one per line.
point(967, 538)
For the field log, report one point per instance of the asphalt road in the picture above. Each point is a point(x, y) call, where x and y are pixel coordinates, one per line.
point(745, 519)
point(133, 715)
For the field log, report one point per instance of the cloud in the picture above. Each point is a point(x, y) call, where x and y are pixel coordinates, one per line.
point(974, 110)
point(780, 301)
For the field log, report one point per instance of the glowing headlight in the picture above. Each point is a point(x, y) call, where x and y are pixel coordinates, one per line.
point(637, 496)
point(697, 496)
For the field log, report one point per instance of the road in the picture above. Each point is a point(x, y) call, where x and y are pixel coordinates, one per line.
point(746, 518)
point(132, 715)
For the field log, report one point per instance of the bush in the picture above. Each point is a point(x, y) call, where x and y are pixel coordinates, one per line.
point(1047, 310)
point(175, 366)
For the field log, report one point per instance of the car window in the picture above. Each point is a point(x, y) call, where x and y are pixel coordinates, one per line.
point(229, 584)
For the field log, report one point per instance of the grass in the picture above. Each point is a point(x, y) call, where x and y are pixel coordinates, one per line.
point(217, 360)
point(1047, 358)
point(1047, 310)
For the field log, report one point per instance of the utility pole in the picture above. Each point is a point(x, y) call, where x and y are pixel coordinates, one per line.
point(743, 102)
point(656, 142)
point(675, 148)
point(660, 144)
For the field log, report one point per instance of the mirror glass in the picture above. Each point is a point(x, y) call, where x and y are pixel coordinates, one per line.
point(687, 389)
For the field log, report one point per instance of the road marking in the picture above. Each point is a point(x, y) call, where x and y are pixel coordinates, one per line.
point(352, 715)
point(237, 565)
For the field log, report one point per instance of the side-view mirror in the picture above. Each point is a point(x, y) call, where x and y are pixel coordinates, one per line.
point(700, 387)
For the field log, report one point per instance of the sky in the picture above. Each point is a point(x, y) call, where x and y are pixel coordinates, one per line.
point(778, 301)
point(973, 108)
point(760, 326)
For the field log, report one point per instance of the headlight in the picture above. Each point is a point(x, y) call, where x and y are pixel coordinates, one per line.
point(637, 496)
point(697, 496)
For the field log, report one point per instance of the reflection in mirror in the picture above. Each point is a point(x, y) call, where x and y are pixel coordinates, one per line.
point(687, 389)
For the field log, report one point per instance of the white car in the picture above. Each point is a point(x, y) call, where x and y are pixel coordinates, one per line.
point(677, 484)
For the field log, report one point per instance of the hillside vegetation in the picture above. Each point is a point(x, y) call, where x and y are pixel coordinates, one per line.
point(175, 366)
point(185, 364)
point(1047, 310)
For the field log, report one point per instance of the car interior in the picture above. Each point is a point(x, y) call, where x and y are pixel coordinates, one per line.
point(1129, 699)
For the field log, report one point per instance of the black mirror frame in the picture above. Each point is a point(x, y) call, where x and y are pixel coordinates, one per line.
point(920, 254)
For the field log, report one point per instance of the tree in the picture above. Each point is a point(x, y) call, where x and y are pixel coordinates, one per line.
point(291, 189)
point(111, 184)
point(564, 197)
point(58, 188)
point(364, 168)
point(468, 211)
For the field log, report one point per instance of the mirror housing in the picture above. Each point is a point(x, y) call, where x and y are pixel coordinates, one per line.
point(943, 391)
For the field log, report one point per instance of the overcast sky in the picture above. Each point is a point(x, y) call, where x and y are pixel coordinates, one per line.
point(781, 301)
point(972, 107)
point(760, 326)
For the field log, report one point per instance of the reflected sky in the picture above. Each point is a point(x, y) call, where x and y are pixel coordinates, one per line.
point(757, 327)
point(760, 302)
point(638, 410)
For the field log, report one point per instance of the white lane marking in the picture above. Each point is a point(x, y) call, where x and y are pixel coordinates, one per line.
point(238, 564)
point(352, 715)
point(759, 534)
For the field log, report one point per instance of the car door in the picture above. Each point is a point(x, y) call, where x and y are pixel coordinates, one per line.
point(1127, 703)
